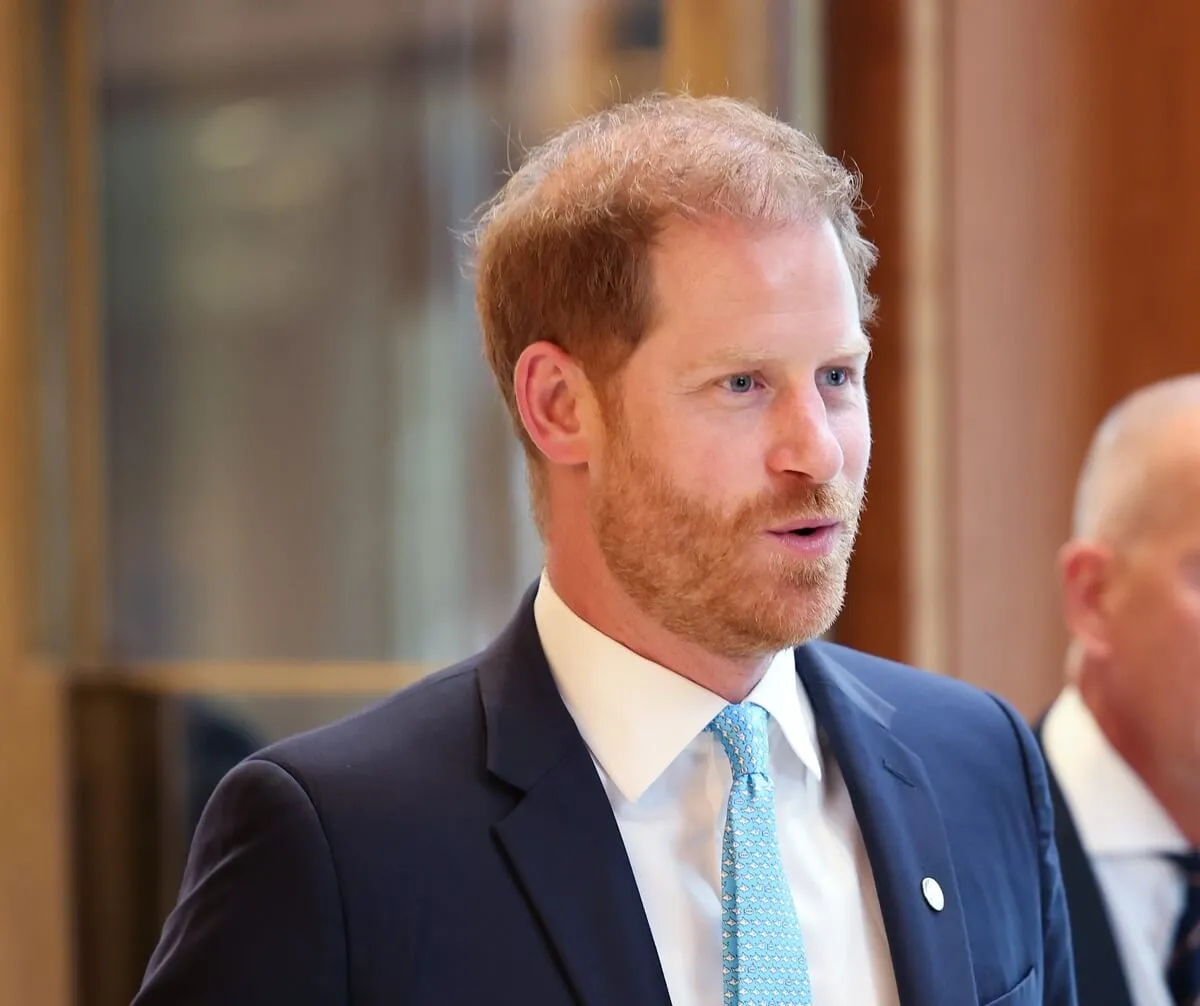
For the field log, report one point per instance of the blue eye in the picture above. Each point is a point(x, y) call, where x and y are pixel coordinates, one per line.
point(838, 376)
point(739, 384)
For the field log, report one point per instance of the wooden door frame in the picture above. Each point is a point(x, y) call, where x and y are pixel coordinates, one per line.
point(36, 960)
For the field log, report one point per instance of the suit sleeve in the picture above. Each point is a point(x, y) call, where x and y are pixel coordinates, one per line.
point(1058, 966)
point(259, 917)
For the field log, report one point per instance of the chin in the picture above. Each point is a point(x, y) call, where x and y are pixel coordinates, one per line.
point(813, 616)
point(771, 627)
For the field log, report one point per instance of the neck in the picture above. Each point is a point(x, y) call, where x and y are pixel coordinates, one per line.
point(590, 590)
point(1177, 794)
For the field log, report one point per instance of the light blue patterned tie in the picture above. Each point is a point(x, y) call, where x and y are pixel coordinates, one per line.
point(764, 959)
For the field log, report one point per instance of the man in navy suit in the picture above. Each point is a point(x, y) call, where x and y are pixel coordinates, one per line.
point(656, 786)
point(1122, 740)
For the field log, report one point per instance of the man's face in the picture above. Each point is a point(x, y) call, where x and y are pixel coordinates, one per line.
point(727, 494)
point(1152, 608)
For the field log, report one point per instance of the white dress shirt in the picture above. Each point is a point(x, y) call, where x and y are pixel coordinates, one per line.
point(669, 780)
point(1125, 832)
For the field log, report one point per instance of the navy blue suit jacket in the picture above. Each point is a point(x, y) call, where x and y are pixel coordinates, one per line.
point(454, 845)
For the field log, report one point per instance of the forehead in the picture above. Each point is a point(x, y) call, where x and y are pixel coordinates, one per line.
point(696, 256)
point(726, 278)
point(1170, 480)
point(1178, 488)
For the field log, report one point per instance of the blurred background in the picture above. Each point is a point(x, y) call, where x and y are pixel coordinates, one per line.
point(253, 473)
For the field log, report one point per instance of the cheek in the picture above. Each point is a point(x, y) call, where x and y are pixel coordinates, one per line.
point(669, 453)
point(1175, 649)
point(1160, 621)
point(853, 433)
point(1189, 618)
point(692, 447)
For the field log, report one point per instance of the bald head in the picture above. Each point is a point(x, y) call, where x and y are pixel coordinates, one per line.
point(1143, 464)
point(1131, 590)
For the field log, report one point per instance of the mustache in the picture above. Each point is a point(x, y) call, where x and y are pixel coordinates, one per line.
point(805, 502)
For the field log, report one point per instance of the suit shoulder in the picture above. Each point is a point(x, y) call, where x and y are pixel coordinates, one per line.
point(892, 678)
point(957, 726)
point(936, 703)
point(434, 723)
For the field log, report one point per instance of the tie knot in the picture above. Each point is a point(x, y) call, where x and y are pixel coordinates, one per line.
point(742, 731)
point(1189, 862)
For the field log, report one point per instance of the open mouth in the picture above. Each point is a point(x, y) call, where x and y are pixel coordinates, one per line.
point(810, 538)
point(809, 530)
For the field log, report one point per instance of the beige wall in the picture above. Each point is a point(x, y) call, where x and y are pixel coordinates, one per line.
point(1030, 166)
point(1019, 356)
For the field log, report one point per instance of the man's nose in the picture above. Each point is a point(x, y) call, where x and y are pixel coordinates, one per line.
point(804, 441)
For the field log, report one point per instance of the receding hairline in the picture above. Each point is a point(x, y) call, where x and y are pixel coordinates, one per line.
point(669, 155)
point(1120, 475)
point(612, 141)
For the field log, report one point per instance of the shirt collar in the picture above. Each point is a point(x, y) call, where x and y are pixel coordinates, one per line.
point(637, 716)
point(1113, 810)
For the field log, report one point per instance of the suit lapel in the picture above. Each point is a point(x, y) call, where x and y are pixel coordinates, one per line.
point(903, 832)
point(561, 839)
point(1099, 977)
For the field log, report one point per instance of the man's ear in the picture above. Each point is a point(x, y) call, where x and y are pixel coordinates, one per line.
point(556, 403)
point(1085, 572)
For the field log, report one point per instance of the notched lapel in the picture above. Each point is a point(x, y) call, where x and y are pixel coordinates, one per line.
point(561, 838)
point(566, 851)
point(903, 832)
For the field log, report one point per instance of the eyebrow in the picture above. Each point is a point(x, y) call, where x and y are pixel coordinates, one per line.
point(735, 358)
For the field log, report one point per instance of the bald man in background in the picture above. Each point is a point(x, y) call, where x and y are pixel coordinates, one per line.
point(1123, 738)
